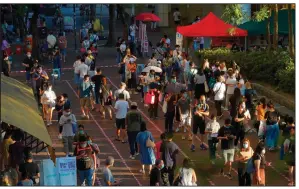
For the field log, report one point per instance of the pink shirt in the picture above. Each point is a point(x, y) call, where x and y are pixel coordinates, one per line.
point(158, 146)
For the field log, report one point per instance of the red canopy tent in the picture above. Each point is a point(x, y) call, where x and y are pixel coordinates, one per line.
point(211, 26)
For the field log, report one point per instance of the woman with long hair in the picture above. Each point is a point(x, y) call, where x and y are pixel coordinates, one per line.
point(234, 102)
point(132, 79)
point(48, 100)
point(147, 153)
point(260, 124)
point(187, 174)
point(272, 129)
point(245, 153)
point(238, 123)
point(128, 56)
point(199, 81)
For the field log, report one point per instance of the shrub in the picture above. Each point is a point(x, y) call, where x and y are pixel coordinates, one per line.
point(274, 67)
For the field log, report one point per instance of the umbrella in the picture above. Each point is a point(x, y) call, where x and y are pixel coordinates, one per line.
point(149, 68)
point(148, 17)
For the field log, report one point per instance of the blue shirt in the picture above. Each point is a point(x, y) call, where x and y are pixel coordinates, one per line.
point(122, 107)
point(85, 89)
point(108, 177)
point(25, 183)
point(56, 62)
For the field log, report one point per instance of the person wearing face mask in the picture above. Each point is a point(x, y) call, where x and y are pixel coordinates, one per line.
point(150, 78)
point(41, 77)
point(199, 81)
point(201, 111)
point(48, 101)
point(289, 153)
point(185, 114)
point(238, 123)
point(66, 132)
point(79, 133)
point(260, 163)
point(28, 64)
point(227, 135)
point(212, 129)
point(155, 174)
point(86, 161)
point(32, 71)
point(242, 157)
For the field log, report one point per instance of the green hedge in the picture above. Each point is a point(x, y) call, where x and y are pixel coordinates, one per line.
point(275, 67)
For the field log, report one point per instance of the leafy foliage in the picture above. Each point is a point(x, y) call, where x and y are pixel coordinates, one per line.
point(233, 14)
point(262, 14)
point(275, 67)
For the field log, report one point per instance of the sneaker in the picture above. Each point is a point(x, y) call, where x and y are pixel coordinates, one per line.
point(229, 176)
point(192, 148)
point(83, 115)
point(183, 137)
point(136, 154)
point(222, 172)
point(132, 157)
point(130, 92)
point(225, 109)
point(142, 171)
point(87, 116)
point(177, 130)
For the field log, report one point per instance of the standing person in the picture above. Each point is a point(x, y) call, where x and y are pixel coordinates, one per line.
point(125, 57)
point(187, 173)
point(98, 80)
point(48, 100)
point(66, 122)
point(60, 103)
point(118, 53)
point(260, 163)
point(41, 77)
point(62, 44)
point(32, 71)
point(6, 66)
point(234, 101)
point(153, 24)
point(231, 84)
point(132, 79)
point(30, 167)
point(51, 40)
point(212, 129)
point(90, 61)
point(85, 161)
point(133, 29)
point(238, 123)
point(82, 69)
point(86, 44)
point(219, 91)
point(158, 145)
point(177, 17)
point(169, 151)
point(146, 152)
point(154, 104)
point(84, 92)
point(96, 150)
point(122, 90)
point(185, 114)
point(28, 63)
point(16, 155)
point(227, 135)
point(289, 152)
point(76, 71)
point(201, 111)
point(4, 147)
point(199, 81)
point(272, 128)
point(260, 112)
point(170, 113)
point(245, 153)
point(133, 122)
point(57, 63)
point(80, 132)
point(107, 174)
point(156, 175)
point(121, 108)
point(190, 80)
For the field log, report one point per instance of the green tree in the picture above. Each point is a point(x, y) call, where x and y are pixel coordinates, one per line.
point(275, 23)
point(291, 33)
point(233, 14)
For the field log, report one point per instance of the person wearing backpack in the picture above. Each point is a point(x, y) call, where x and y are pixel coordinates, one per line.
point(86, 161)
point(289, 153)
point(242, 157)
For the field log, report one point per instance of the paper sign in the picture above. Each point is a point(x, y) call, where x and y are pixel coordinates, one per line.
point(67, 164)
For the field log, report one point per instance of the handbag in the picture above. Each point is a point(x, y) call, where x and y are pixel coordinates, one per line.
point(150, 143)
point(164, 107)
point(206, 87)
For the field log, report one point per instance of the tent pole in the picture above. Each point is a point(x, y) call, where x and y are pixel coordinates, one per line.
point(245, 43)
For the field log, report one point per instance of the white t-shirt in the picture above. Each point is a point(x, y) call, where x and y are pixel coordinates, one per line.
point(82, 70)
point(186, 175)
point(66, 121)
point(51, 39)
point(133, 29)
point(122, 107)
point(123, 47)
point(76, 65)
point(219, 89)
point(212, 126)
point(176, 16)
point(231, 81)
point(48, 97)
point(123, 91)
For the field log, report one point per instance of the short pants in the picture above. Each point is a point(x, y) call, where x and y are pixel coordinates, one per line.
point(228, 155)
point(85, 102)
point(185, 120)
point(201, 126)
point(121, 123)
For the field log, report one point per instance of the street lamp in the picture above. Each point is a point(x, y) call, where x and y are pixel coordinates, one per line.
point(74, 9)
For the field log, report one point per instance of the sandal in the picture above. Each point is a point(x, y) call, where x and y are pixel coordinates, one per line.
point(124, 142)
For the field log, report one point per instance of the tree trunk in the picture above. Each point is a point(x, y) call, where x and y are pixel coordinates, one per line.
point(268, 31)
point(291, 34)
point(34, 30)
point(275, 32)
point(92, 12)
point(111, 38)
point(123, 21)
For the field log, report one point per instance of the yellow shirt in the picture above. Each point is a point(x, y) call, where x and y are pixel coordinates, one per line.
point(260, 112)
point(5, 147)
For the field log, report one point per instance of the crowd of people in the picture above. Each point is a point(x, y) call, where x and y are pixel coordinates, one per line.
point(170, 78)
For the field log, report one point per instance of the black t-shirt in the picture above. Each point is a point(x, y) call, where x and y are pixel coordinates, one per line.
point(118, 45)
point(170, 105)
point(98, 80)
point(240, 125)
point(28, 61)
point(272, 117)
point(155, 177)
point(229, 132)
point(169, 151)
point(260, 157)
point(234, 105)
point(217, 73)
point(31, 168)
